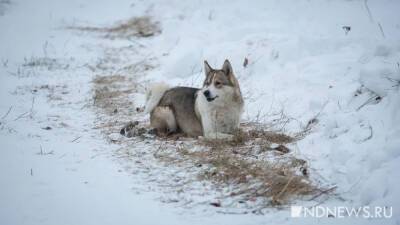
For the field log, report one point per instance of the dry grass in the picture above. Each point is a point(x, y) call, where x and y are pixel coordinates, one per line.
point(111, 96)
point(244, 165)
point(34, 66)
point(135, 27)
point(107, 95)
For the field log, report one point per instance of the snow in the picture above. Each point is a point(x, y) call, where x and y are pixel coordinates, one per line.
point(301, 62)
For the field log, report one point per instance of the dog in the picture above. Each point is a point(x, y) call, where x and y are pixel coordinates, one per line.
point(213, 111)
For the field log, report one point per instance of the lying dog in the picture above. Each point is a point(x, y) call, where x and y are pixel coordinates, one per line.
point(213, 111)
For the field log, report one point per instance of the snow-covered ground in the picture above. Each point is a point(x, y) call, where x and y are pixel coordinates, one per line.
point(336, 63)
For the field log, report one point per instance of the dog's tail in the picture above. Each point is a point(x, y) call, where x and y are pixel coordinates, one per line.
point(154, 95)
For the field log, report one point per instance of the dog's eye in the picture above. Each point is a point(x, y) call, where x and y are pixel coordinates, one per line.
point(217, 83)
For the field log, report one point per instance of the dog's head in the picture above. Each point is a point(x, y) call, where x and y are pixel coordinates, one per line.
point(220, 83)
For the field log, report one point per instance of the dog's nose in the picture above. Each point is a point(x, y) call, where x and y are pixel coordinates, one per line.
point(207, 93)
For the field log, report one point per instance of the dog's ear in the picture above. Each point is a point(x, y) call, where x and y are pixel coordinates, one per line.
point(227, 68)
point(207, 68)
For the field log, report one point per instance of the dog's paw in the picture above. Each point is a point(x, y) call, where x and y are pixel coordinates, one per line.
point(219, 136)
point(139, 109)
point(129, 130)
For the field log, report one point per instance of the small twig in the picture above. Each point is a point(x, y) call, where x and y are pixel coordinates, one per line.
point(45, 45)
point(346, 29)
point(42, 152)
point(283, 189)
point(314, 119)
point(368, 11)
point(339, 106)
point(396, 82)
point(33, 103)
point(380, 27)
point(98, 154)
point(322, 108)
point(76, 139)
point(323, 192)
point(371, 134)
point(191, 73)
point(5, 115)
point(366, 102)
point(20, 116)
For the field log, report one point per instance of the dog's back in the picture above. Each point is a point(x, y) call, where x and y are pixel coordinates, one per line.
point(181, 100)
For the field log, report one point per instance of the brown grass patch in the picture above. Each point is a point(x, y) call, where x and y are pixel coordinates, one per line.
point(135, 27)
point(107, 94)
point(253, 167)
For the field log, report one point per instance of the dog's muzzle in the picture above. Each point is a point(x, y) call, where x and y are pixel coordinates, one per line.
point(208, 96)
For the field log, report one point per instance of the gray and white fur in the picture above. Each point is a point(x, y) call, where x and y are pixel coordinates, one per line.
point(213, 111)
